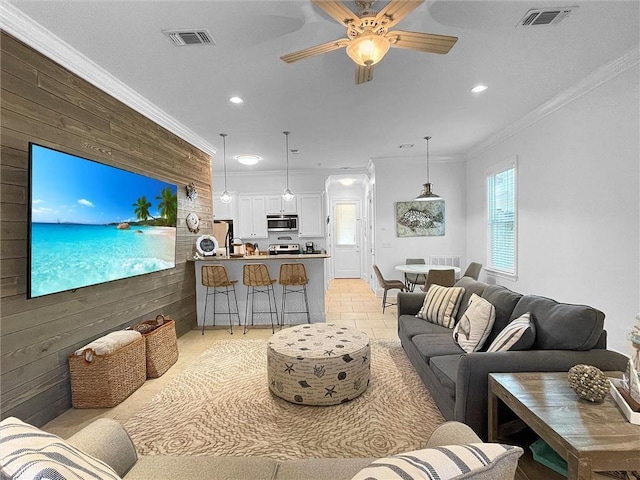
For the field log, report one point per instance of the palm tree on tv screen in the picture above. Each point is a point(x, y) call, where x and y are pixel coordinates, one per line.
point(142, 208)
point(168, 206)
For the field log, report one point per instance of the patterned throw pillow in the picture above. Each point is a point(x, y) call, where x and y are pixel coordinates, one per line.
point(441, 305)
point(475, 325)
point(26, 452)
point(442, 463)
point(517, 335)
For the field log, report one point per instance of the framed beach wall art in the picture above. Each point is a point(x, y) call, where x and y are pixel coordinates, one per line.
point(420, 219)
point(92, 223)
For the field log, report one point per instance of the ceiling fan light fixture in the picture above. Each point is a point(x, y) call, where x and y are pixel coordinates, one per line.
point(368, 49)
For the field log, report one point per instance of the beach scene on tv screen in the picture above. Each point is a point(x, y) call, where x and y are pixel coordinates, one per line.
point(92, 223)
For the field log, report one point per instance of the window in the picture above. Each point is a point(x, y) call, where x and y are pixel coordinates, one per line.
point(346, 224)
point(502, 232)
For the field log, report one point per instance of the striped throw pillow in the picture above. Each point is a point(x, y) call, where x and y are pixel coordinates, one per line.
point(444, 463)
point(517, 335)
point(26, 452)
point(441, 305)
point(475, 325)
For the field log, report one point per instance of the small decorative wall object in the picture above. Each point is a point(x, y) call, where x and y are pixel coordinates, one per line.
point(420, 219)
point(192, 192)
point(193, 222)
point(589, 382)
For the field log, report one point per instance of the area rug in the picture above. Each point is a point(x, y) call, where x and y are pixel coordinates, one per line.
point(221, 405)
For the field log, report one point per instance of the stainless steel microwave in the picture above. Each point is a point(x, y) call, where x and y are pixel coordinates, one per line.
point(282, 223)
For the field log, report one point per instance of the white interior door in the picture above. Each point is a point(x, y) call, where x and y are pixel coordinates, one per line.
point(347, 251)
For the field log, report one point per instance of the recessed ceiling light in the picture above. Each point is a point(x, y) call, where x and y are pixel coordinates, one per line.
point(236, 100)
point(479, 88)
point(248, 159)
point(347, 181)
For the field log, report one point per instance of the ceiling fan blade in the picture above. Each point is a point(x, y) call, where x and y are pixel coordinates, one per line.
point(337, 10)
point(396, 10)
point(317, 50)
point(423, 42)
point(364, 74)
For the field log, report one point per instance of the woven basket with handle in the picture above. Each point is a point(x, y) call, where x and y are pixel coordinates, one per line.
point(103, 381)
point(162, 345)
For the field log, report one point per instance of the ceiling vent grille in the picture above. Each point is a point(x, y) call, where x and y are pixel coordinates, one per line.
point(549, 16)
point(186, 38)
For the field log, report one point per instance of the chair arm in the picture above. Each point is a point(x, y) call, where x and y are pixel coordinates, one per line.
point(473, 375)
point(108, 441)
point(409, 303)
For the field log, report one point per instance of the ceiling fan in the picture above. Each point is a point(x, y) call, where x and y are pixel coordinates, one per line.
point(368, 36)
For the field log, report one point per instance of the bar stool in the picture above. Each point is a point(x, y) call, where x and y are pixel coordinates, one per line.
point(215, 276)
point(293, 275)
point(257, 279)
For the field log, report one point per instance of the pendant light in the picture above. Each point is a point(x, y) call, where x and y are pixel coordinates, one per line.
point(225, 197)
point(287, 195)
point(427, 194)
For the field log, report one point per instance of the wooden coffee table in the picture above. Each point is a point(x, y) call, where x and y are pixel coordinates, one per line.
point(590, 437)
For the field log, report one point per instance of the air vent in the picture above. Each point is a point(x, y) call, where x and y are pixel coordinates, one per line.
point(551, 16)
point(186, 38)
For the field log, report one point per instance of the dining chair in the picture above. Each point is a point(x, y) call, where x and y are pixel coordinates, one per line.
point(388, 285)
point(446, 278)
point(413, 279)
point(473, 270)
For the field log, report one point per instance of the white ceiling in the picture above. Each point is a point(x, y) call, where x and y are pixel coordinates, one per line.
point(333, 122)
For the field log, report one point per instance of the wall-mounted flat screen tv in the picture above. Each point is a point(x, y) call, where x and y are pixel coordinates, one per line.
point(91, 223)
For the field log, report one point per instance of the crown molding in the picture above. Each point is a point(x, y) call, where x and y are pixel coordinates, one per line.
point(595, 79)
point(28, 31)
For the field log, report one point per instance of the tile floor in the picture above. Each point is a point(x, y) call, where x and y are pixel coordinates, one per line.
point(348, 302)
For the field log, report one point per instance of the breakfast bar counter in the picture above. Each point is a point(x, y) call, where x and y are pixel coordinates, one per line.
point(314, 264)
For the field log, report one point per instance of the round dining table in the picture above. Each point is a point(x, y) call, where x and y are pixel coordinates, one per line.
point(423, 269)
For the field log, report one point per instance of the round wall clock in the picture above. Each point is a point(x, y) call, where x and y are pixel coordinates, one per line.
point(206, 245)
point(193, 222)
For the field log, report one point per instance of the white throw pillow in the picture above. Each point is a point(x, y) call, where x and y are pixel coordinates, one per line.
point(26, 452)
point(441, 305)
point(443, 463)
point(475, 325)
point(517, 335)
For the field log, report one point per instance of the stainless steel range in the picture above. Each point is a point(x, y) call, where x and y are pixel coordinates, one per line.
point(284, 248)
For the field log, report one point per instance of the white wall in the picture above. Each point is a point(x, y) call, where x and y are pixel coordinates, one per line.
point(579, 208)
point(270, 182)
point(400, 180)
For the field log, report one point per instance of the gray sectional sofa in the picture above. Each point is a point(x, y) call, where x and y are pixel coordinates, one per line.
point(566, 335)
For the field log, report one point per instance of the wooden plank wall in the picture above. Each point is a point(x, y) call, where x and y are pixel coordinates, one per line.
point(45, 103)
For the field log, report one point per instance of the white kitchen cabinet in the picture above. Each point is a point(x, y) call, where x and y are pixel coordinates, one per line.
point(252, 217)
point(276, 205)
point(224, 211)
point(310, 215)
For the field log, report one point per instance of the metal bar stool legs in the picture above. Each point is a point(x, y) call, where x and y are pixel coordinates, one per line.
point(257, 280)
point(215, 277)
point(293, 278)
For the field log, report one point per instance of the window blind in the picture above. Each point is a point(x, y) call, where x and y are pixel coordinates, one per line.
point(501, 219)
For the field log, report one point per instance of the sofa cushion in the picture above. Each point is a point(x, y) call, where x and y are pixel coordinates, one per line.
point(321, 468)
point(470, 286)
point(154, 467)
point(473, 328)
point(470, 461)
point(561, 326)
point(518, 335)
point(434, 345)
point(27, 453)
point(505, 301)
point(445, 368)
point(441, 305)
point(412, 326)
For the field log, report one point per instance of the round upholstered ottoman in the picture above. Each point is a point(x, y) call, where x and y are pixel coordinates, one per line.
point(318, 364)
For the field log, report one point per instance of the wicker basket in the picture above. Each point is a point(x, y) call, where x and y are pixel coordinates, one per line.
point(162, 346)
point(107, 380)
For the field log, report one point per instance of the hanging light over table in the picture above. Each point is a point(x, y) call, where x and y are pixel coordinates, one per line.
point(427, 194)
point(287, 195)
point(225, 197)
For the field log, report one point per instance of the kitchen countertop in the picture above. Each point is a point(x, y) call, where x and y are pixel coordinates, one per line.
point(286, 256)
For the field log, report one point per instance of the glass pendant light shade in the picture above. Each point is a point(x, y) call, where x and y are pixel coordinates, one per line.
point(225, 197)
point(368, 49)
point(287, 195)
point(427, 194)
